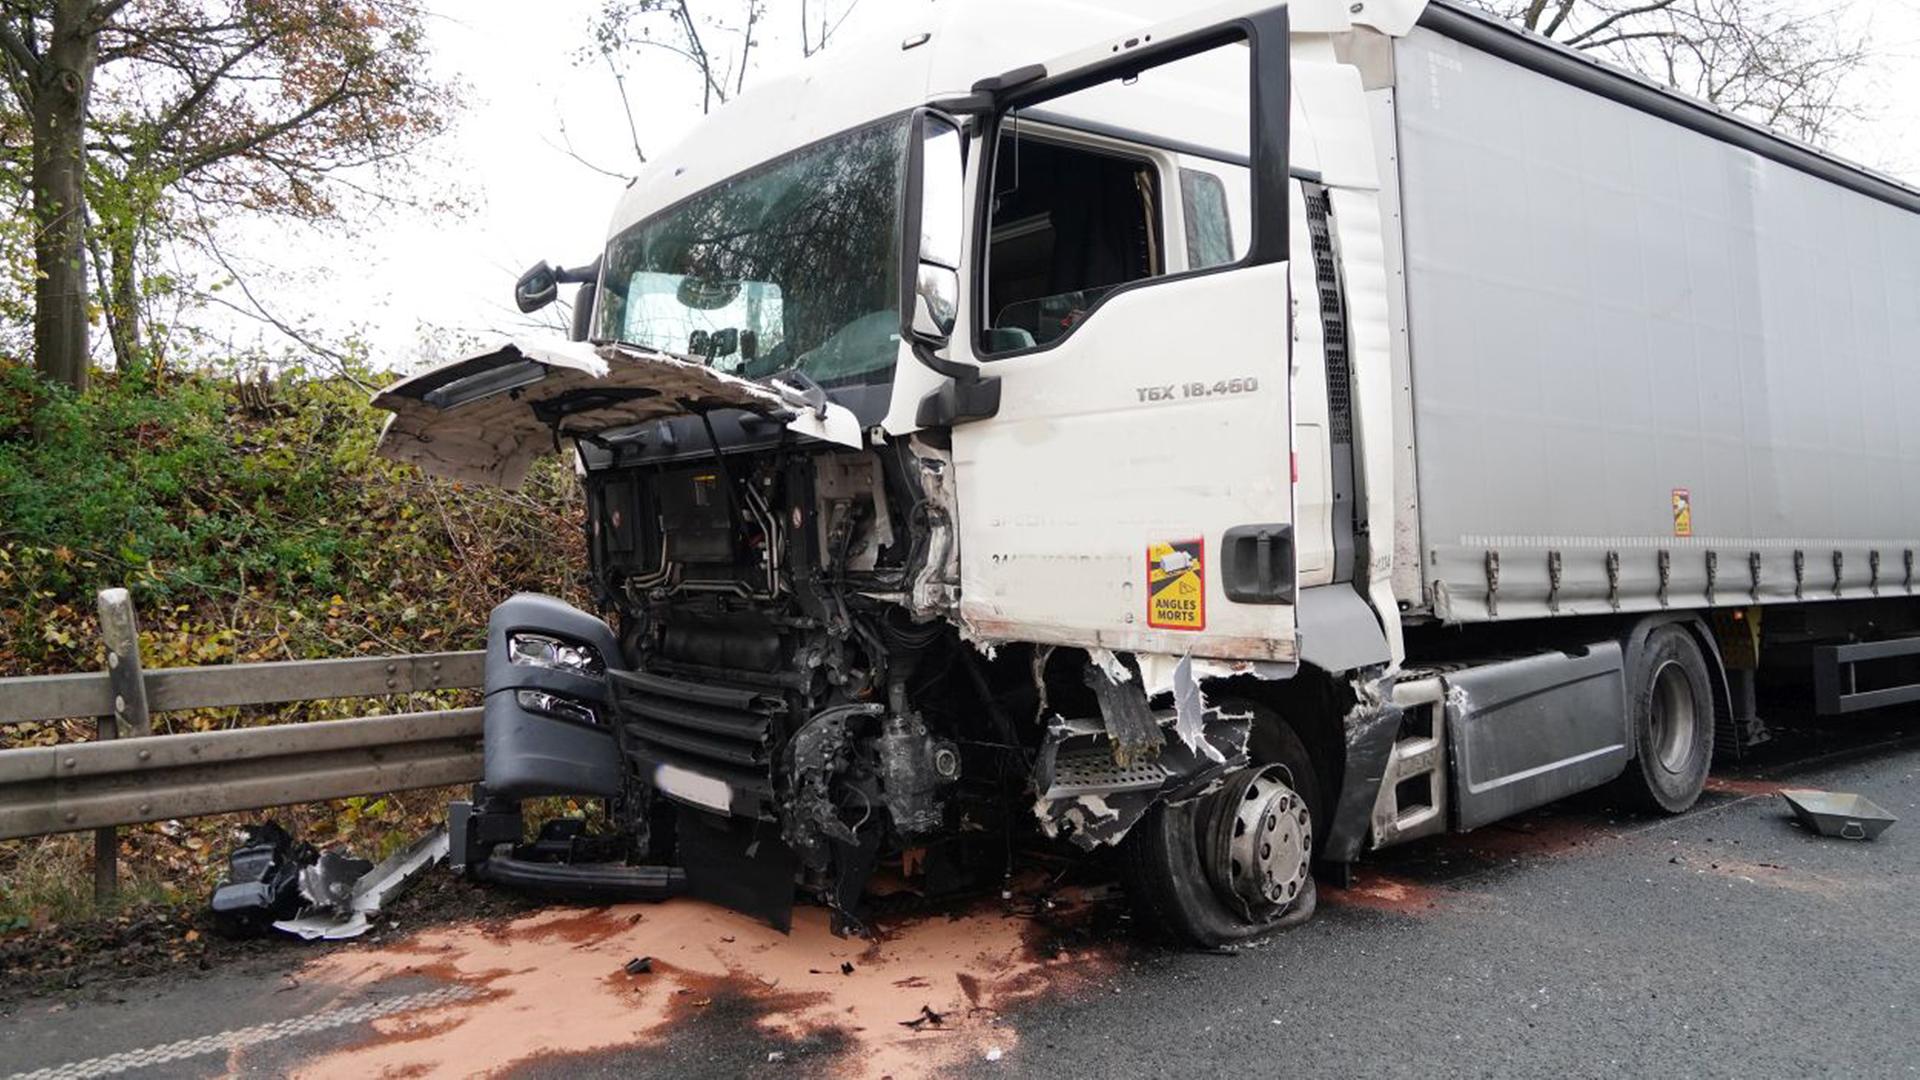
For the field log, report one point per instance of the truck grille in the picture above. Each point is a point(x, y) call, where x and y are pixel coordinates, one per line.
point(721, 731)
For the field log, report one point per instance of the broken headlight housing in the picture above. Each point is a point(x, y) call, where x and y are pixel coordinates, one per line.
point(553, 705)
point(559, 654)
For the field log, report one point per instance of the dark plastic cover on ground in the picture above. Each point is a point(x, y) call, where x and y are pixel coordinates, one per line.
point(263, 881)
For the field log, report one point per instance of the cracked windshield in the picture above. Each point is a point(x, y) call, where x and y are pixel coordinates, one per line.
point(790, 267)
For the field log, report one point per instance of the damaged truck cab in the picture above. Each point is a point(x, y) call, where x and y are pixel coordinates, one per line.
point(979, 445)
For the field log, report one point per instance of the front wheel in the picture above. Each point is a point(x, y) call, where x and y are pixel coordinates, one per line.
point(1233, 864)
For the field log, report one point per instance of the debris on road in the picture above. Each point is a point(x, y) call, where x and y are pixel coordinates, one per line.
point(263, 881)
point(640, 965)
point(1832, 813)
point(927, 1017)
point(343, 892)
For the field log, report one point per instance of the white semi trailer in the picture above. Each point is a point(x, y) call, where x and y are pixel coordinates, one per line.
point(1251, 439)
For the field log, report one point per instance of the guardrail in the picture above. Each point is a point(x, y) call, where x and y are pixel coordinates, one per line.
point(128, 775)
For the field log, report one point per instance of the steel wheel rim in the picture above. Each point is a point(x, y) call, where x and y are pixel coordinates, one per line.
point(1673, 716)
point(1262, 843)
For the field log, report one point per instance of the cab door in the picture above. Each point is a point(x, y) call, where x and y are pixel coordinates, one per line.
point(1134, 489)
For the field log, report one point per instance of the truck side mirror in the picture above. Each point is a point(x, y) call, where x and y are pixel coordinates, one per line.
point(583, 299)
point(536, 288)
point(940, 166)
point(934, 233)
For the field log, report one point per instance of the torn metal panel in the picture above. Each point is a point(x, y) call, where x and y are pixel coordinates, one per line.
point(330, 880)
point(343, 893)
point(936, 585)
point(1156, 670)
point(1189, 710)
point(1370, 728)
point(1089, 800)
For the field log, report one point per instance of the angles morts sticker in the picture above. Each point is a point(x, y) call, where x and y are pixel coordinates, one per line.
point(1682, 512)
point(1177, 585)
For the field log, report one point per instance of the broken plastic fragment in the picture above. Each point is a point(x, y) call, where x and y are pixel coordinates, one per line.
point(263, 881)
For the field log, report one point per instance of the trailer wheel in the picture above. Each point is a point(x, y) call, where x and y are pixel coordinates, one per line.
point(1672, 722)
point(1234, 864)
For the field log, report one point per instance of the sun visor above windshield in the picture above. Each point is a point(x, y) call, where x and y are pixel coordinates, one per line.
point(485, 419)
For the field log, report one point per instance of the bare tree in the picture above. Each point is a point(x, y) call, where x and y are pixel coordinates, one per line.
point(1778, 62)
point(814, 37)
point(715, 38)
point(717, 46)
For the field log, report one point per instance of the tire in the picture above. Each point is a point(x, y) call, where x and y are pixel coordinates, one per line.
point(1165, 875)
point(1672, 703)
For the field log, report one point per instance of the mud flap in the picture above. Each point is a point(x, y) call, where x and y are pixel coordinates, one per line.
point(739, 864)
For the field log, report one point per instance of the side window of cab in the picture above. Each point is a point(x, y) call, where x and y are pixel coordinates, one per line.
point(1214, 211)
point(1111, 187)
point(1070, 223)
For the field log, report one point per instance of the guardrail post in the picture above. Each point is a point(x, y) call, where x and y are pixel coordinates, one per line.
point(121, 631)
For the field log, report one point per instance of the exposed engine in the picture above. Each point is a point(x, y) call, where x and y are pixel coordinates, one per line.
point(785, 669)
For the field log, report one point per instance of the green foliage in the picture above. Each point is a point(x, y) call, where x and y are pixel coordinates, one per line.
point(243, 533)
point(259, 531)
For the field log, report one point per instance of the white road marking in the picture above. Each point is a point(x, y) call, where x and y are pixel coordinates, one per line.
point(115, 1064)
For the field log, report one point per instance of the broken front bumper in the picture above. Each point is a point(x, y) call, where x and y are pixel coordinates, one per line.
point(548, 729)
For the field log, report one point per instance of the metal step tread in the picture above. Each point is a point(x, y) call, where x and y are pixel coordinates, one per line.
point(1091, 769)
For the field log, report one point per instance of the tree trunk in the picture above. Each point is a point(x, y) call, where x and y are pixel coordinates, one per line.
point(59, 199)
point(123, 301)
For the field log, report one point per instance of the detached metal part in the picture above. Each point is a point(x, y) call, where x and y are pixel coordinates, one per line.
point(1090, 801)
point(345, 892)
point(1832, 813)
point(914, 766)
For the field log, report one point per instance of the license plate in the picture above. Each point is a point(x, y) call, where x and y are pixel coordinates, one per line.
point(689, 786)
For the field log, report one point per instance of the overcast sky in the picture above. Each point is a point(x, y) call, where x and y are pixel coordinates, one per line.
point(422, 288)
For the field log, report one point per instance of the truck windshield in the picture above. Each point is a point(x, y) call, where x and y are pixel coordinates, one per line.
point(794, 265)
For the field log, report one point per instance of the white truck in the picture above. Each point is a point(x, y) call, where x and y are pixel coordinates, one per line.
point(1250, 439)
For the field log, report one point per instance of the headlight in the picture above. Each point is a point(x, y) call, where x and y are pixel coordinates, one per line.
point(539, 650)
point(553, 705)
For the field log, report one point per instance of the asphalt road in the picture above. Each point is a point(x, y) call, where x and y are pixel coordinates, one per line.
point(1574, 942)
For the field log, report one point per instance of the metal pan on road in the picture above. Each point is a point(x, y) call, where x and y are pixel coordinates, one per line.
point(1831, 813)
